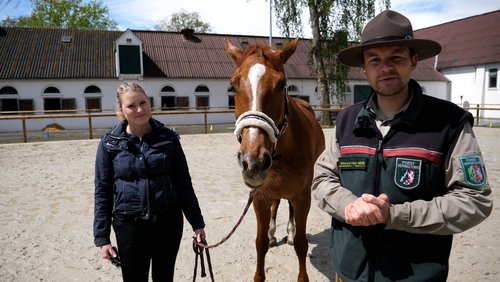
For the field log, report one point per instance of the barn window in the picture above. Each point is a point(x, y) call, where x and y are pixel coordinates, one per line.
point(92, 89)
point(8, 104)
point(93, 104)
point(293, 88)
point(493, 78)
point(201, 88)
point(202, 102)
point(168, 89)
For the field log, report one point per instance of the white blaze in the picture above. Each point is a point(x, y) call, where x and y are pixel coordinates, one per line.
point(254, 75)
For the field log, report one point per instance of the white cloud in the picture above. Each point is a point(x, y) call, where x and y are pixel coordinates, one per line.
point(427, 13)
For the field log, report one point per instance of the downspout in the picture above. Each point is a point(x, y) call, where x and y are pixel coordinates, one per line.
point(448, 83)
point(483, 90)
point(436, 60)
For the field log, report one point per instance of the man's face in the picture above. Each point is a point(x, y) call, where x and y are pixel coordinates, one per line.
point(389, 69)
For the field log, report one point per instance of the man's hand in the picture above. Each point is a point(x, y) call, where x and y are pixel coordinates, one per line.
point(368, 210)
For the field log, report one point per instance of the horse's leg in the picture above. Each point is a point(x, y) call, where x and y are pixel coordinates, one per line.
point(272, 224)
point(262, 208)
point(301, 204)
point(290, 228)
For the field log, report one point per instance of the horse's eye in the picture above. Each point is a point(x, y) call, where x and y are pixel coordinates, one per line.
point(232, 88)
point(282, 86)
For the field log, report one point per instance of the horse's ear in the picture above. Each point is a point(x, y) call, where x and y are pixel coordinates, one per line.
point(288, 50)
point(233, 51)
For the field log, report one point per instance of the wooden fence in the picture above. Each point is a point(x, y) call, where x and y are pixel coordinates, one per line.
point(90, 115)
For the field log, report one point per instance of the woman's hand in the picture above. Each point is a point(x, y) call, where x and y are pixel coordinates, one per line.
point(107, 252)
point(200, 234)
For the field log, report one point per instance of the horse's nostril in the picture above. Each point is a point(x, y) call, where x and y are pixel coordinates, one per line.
point(242, 161)
point(267, 161)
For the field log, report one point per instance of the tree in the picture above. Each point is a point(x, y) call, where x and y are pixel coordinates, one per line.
point(65, 14)
point(334, 23)
point(182, 20)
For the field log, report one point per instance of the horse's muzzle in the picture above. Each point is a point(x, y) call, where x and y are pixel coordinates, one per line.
point(254, 169)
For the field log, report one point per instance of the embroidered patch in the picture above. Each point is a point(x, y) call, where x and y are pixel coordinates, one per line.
point(407, 173)
point(353, 163)
point(473, 168)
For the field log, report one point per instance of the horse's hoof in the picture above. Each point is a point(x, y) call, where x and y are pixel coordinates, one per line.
point(287, 240)
point(273, 242)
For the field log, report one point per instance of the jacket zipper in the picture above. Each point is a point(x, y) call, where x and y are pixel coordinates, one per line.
point(379, 157)
point(142, 158)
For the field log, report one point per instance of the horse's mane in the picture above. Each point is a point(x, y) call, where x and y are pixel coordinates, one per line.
point(264, 51)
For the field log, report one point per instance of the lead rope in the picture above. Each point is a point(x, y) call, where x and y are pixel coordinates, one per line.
point(198, 247)
point(199, 253)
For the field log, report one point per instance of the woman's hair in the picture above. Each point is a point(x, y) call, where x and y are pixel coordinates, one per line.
point(124, 88)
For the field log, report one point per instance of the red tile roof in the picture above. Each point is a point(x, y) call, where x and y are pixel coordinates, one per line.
point(33, 53)
point(30, 53)
point(469, 41)
point(175, 57)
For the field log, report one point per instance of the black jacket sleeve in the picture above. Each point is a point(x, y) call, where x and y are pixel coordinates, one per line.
point(183, 186)
point(103, 196)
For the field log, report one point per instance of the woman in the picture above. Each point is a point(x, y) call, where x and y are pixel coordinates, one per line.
point(142, 189)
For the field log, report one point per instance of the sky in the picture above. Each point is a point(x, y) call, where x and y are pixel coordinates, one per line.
point(251, 17)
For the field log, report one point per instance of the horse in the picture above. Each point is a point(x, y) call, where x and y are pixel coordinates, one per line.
point(280, 140)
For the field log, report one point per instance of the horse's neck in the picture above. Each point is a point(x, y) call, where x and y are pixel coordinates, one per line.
point(287, 142)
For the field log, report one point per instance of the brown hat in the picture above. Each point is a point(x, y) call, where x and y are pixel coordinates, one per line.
point(388, 28)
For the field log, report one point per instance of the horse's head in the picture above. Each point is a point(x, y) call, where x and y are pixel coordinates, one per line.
point(261, 105)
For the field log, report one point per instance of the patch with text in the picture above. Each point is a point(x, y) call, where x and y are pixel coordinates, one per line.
point(407, 173)
point(473, 168)
point(353, 163)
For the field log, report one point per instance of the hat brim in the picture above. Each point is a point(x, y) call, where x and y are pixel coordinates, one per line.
point(353, 56)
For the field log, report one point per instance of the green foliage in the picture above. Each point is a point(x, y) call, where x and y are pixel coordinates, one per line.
point(181, 20)
point(334, 23)
point(72, 14)
point(288, 14)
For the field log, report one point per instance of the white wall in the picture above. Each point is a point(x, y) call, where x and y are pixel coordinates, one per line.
point(74, 88)
point(438, 89)
point(471, 84)
point(466, 84)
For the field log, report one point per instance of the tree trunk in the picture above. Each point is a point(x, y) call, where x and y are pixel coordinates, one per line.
point(319, 65)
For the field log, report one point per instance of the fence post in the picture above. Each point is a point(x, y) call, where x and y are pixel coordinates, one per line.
point(206, 122)
point(477, 115)
point(25, 137)
point(90, 125)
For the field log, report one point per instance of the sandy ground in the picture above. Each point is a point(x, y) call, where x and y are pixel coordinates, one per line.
point(46, 213)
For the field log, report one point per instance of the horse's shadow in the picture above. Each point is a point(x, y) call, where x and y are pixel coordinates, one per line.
point(319, 255)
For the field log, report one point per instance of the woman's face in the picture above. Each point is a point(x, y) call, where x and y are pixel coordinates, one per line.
point(135, 107)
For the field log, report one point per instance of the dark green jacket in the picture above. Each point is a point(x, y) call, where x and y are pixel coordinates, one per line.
point(407, 165)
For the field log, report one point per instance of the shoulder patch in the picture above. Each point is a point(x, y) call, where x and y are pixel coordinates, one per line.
point(473, 169)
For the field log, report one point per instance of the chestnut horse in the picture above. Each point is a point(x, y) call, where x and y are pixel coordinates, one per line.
point(280, 139)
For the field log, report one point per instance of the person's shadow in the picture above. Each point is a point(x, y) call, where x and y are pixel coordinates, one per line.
point(319, 255)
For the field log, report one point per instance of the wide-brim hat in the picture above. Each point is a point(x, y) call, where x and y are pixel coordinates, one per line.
point(386, 29)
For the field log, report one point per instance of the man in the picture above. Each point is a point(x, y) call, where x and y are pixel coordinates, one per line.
point(403, 171)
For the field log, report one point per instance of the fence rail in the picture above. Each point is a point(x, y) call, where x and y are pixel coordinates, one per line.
point(91, 114)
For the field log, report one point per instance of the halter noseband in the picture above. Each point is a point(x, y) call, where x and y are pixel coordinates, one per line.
point(262, 121)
